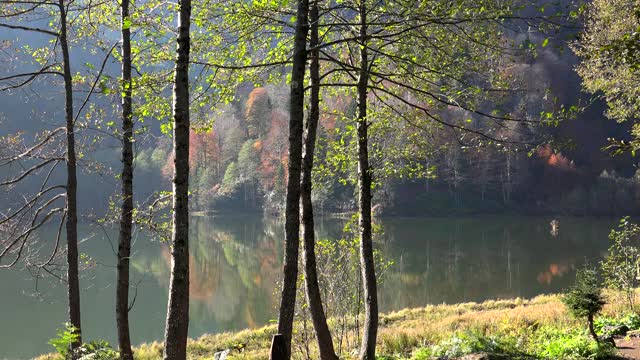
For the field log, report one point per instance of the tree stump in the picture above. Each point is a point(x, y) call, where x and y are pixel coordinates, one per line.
point(278, 349)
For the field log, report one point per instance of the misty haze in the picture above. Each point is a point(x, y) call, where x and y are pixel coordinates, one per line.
point(356, 179)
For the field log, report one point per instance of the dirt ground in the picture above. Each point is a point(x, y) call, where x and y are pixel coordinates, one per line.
point(629, 348)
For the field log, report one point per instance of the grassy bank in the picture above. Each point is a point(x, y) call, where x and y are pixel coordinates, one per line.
point(537, 328)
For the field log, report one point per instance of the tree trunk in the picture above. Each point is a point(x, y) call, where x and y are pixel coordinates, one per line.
point(277, 351)
point(292, 206)
point(124, 241)
point(177, 324)
point(73, 280)
point(312, 289)
point(592, 331)
point(370, 329)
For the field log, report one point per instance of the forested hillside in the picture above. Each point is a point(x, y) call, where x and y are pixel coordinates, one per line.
point(157, 122)
point(239, 153)
point(240, 163)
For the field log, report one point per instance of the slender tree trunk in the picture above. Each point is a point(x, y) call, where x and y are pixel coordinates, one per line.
point(124, 242)
point(292, 207)
point(177, 325)
point(370, 328)
point(592, 331)
point(73, 280)
point(312, 289)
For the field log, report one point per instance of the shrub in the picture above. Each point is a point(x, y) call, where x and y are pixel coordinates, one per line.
point(620, 268)
point(532, 343)
point(631, 321)
point(584, 299)
point(571, 345)
point(63, 340)
point(94, 350)
point(97, 350)
point(339, 276)
point(468, 342)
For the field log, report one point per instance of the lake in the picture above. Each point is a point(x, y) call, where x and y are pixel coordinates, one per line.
point(236, 262)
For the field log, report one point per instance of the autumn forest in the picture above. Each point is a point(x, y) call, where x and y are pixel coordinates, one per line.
point(327, 174)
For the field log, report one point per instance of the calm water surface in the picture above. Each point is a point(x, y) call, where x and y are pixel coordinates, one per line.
point(236, 261)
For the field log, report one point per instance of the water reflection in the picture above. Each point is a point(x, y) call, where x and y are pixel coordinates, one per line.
point(454, 260)
point(234, 266)
point(236, 262)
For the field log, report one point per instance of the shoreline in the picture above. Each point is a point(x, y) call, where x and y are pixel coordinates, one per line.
point(419, 333)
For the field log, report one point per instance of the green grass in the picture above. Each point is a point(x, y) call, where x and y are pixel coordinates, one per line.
point(539, 328)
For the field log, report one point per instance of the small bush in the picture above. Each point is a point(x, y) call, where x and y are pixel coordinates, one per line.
point(584, 299)
point(422, 354)
point(468, 342)
point(540, 343)
point(94, 350)
point(631, 321)
point(571, 345)
point(97, 350)
point(63, 340)
point(620, 268)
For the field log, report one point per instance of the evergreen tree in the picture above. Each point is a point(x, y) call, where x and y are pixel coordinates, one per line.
point(584, 299)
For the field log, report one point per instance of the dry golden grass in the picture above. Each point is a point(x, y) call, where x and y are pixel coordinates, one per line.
point(402, 331)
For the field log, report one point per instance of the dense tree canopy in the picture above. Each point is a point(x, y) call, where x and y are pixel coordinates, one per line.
point(610, 51)
point(296, 109)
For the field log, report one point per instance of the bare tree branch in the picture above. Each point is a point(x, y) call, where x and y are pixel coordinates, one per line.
point(28, 28)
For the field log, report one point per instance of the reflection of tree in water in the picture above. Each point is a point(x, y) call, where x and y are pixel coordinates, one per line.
point(233, 269)
point(235, 262)
point(556, 270)
point(454, 260)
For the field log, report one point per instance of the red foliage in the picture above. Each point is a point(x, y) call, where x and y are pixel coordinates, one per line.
point(204, 150)
point(167, 169)
point(256, 96)
point(273, 148)
point(555, 271)
point(258, 109)
point(257, 145)
point(555, 160)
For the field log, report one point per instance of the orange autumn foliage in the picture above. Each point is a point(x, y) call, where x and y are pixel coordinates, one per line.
point(555, 270)
point(555, 160)
point(273, 149)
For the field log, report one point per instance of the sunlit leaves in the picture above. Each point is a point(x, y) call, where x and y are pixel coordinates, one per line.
point(610, 61)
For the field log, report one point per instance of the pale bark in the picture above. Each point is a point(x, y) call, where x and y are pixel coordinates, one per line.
point(177, 324)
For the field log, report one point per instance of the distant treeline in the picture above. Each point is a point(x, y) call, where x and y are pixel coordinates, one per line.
point(239, 165)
